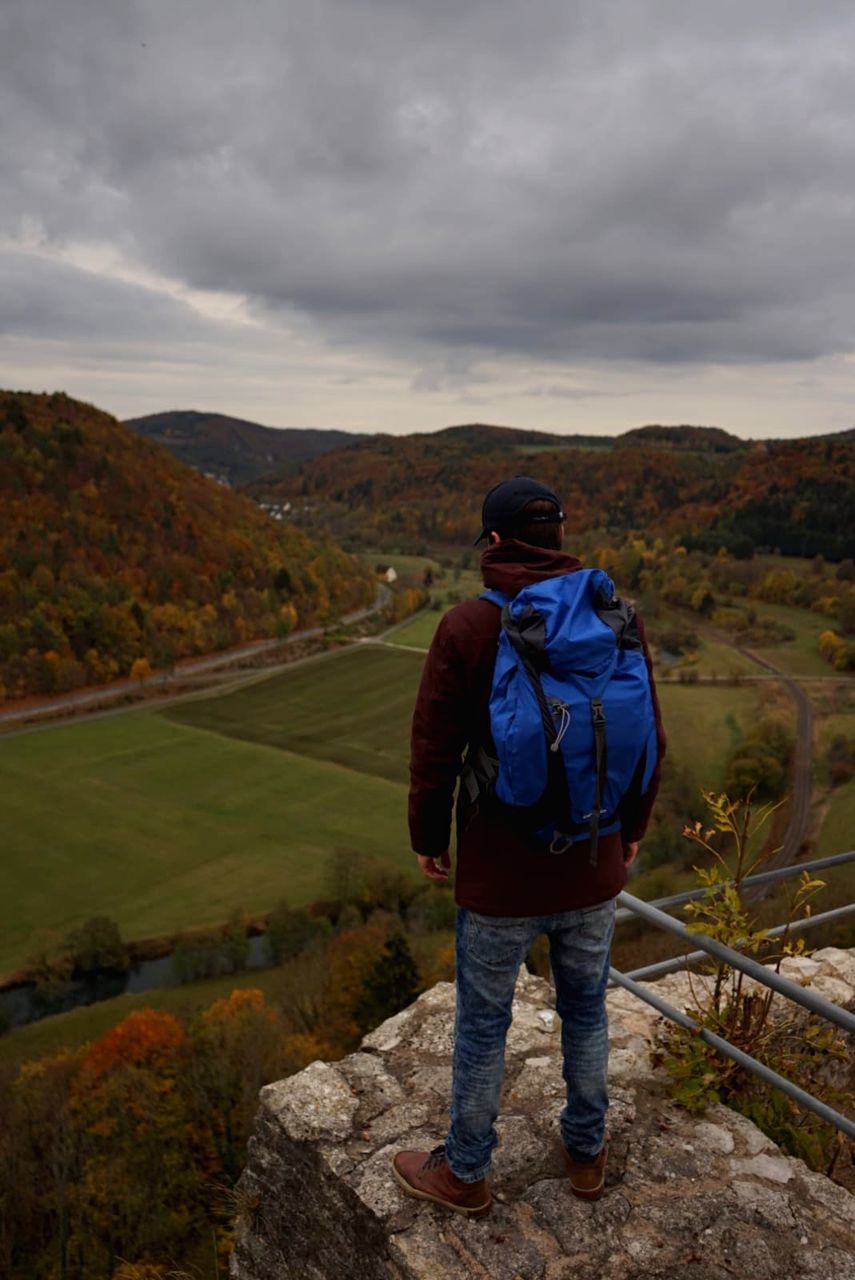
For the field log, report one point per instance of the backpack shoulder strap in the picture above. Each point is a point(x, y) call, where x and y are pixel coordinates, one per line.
point(497, 598)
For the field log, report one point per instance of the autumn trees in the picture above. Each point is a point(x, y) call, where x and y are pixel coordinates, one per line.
point(116, 1152)
point(118, 1159)
point(696, 485)
point(114, 554)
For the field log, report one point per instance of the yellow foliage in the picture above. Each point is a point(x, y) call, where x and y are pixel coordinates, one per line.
point(140, 669)
point(300, 1050)
point(830, 644)
point(778, 587)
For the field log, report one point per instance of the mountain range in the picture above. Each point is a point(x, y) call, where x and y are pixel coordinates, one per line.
point(233, 449)
point(702, 484)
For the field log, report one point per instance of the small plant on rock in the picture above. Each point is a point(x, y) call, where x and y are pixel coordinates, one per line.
point(755, 1019)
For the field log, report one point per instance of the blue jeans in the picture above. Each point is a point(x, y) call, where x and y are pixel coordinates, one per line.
point(490, 950)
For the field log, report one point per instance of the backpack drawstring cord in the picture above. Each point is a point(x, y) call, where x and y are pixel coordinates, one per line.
point(563, 724)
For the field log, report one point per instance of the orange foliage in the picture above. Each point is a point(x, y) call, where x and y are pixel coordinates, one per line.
point(417, 491)
point(146, 1038)
point(241, 1001)
point(112, 551)
point(350, 958)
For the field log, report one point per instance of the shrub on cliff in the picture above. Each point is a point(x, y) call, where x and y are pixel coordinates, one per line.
point(754, 1019)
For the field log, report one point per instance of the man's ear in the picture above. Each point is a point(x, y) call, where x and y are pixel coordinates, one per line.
point(494, 538)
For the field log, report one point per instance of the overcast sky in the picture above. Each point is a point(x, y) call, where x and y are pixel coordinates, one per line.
point(579, 215)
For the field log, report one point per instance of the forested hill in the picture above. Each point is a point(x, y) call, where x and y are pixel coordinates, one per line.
point(702, 485)
point(112, 550)
point(231, 448)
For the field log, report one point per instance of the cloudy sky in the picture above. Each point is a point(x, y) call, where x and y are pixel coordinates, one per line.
point(579, 215)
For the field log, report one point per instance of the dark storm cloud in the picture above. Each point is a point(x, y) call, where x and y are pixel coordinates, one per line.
point(44, 299)
point(652, 181)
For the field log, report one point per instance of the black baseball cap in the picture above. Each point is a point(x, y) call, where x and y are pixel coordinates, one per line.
point(506, 502)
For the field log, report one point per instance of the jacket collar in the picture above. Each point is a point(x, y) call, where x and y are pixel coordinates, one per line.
point(510, 565)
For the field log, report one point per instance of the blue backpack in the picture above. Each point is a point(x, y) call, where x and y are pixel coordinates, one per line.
point(571, 711)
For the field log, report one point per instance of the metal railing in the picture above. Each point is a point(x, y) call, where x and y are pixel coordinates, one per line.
point(707, 947)
point(763, 877)
point(677, 963)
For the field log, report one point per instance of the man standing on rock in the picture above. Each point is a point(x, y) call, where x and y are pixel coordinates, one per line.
point(510, 886)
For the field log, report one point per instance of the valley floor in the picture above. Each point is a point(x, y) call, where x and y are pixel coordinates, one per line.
point(173, 818)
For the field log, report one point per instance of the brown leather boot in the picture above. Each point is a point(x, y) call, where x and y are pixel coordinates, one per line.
point(587, 1179)
point(426, 1175)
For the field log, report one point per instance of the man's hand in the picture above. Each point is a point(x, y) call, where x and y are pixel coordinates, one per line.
point(630, 853)
point(435, 868)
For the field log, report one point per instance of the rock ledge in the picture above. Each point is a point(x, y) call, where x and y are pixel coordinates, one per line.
point(687, 1199)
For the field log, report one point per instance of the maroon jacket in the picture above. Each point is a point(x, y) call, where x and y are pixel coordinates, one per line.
point(499, 873)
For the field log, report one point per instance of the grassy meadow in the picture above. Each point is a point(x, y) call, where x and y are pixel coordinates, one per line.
point(353, 711)
point(406, 566)
point(837, 830)
point(801, 656)
point(164, 825)
point(703, 724)
point(171, 820)
point(417, 632)
point(453, 586)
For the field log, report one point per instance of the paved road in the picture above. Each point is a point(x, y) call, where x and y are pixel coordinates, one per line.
point(190, 666)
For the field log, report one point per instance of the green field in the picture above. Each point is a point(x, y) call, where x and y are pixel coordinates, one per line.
point(356, 711)
point(828, 727)
point(703, 723)
point(711, 658)
point(533, 450)
point(353, 711)
point(451, 586)
point(417, 632)
point(404, 566)
point(771, 560)
point(171, 820)
point(799, 657)
point(837, 833)
point(163, 825)
point(718, 659)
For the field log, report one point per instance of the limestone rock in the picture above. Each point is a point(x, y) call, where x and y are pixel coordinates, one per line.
point(687, 1197)
point(317, 1103)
